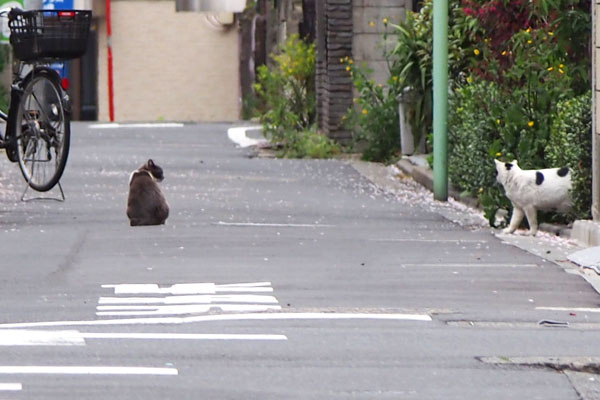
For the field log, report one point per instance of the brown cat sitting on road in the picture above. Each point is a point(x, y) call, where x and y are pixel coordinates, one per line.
point(146, 204)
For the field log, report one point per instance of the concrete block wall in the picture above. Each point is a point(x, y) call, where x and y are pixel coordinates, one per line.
point(368, 46)
point(168, 65)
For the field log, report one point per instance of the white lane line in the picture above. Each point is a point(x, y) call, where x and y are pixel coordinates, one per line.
point(480, 265)
point(224, 317)
point(127, 310)
point(182, 336)
point(75, 338)
point(10, 387)
point(115, 125)
point(191, 299)
point(577, 309)
point(271, 225)
point(40, 338)
point(430, 240)
point(188, 288)
point(238, 136)
point(84, 370)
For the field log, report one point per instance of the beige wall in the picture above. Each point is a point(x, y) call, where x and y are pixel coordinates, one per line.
point(168, 66)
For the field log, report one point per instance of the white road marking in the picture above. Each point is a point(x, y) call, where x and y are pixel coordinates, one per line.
point(430, 240)
point(459, 265)
point(188, 288)
point(127, 310)
point(191, 299)
point(224, 317)
point(115, 125)
point(84, 370)
point(182, 336)
point(21, 337)
point(10, 387)
point(40, 338)
point(272, 225)
point(576, 309)
point(238, 136)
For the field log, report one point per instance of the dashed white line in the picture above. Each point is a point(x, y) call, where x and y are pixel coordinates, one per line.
point(21, 337)
point(115, 125)
point(272, 225)
point(10, 387)
point(466, 265)
point(84, 370)
point(575, 309)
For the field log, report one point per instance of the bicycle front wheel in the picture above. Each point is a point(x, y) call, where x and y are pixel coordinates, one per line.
point(42, 130)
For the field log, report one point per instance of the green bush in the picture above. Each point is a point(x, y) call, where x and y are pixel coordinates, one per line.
point(473, 140)
point(571, 145)
point(285, 92)
point(375, 121)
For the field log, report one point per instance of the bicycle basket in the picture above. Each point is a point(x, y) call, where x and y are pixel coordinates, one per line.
point(46, 35)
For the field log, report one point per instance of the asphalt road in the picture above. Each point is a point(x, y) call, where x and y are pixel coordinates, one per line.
point(272, 279)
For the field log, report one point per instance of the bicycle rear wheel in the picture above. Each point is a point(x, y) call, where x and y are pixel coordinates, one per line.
point(42, 130)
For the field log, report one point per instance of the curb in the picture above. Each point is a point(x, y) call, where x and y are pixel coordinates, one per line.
point(424, 175)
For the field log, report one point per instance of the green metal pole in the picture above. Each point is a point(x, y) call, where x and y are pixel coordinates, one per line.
point(440, 100)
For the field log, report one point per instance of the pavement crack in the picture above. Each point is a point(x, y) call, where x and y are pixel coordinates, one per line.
point(71, 257)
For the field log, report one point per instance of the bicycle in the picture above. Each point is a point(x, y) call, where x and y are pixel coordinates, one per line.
point(38, 122)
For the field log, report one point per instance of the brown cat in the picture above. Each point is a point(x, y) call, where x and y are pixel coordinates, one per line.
point(146, 204)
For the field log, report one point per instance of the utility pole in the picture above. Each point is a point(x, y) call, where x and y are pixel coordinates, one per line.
point(440, 100)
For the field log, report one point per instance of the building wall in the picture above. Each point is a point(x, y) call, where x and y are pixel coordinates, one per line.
point(168, 65)
point(368, 46)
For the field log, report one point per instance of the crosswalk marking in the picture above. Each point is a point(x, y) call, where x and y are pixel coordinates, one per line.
point(11, 387)
point(151, 299)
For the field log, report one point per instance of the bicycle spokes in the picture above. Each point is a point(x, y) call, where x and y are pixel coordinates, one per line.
point(41, 133)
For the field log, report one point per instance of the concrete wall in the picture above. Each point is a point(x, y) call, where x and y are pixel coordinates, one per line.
point(168, 65)
point(368, 46)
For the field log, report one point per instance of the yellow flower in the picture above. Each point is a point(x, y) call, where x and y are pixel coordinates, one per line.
point(372, 24)
point(476, 51)
point(551, 33)
point(350, 61)
point(561, 71)
point(395, 78)
point(348, 68)
point(365, 111)
point(550, 69)
point(341, 60)
point(498, 154)
point(529, 41)
point(531, 124)
point(561, 66)
point(480, 190)
point(498, 121)
point(504, 53)
point(469, 79)
point(528, 30)
point(386, 21)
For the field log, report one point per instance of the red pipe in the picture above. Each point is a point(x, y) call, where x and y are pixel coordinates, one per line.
point(111, 100)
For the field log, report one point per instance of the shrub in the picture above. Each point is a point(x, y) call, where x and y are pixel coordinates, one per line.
point(285, 93)
point(571, 145)
point(375, 122)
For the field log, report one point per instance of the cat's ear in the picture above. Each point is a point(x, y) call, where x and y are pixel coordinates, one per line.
point(150, 163)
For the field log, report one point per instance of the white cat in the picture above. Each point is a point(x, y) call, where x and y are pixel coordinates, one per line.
point(532, 190)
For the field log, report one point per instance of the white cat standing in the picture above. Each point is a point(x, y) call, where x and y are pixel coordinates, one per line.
point(531, 190)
